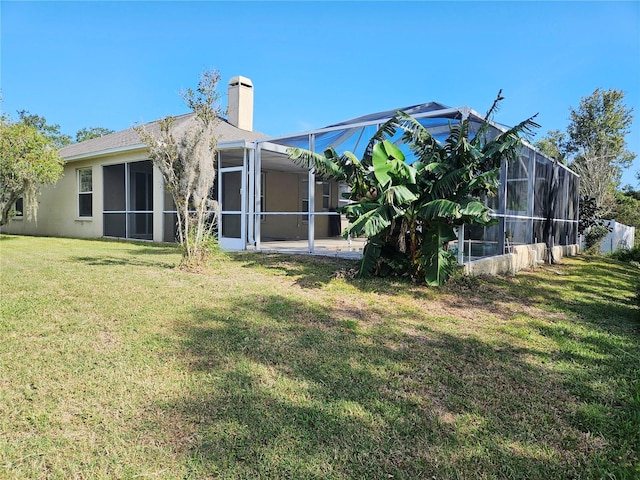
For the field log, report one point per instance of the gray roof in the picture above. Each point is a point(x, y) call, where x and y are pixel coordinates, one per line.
point(129, 140)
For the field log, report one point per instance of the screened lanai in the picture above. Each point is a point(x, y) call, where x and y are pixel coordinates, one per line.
point(290, 208)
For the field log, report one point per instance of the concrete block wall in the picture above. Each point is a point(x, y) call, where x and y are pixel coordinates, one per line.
point(523, 257)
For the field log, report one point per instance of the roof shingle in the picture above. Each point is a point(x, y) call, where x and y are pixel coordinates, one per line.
point(129, 139)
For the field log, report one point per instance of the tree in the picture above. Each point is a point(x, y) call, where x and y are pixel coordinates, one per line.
point(594, 145)
point(600, 125)
point(627, 209)
point(185, 156)
point(553, 145)
point(85, 134)
point(28, 160)
point(52, 132)
point(409, 212)
point(596, 179)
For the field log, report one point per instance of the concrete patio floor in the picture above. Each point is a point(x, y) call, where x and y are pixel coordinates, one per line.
point(331, 247)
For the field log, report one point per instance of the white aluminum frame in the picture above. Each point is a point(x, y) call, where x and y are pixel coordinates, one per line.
point(80, 192)
point(230, 243)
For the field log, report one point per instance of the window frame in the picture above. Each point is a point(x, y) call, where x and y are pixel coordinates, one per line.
point(263, 196)
point(20, 215)
point(305, 200)
point(81, 193)
point(326, 196)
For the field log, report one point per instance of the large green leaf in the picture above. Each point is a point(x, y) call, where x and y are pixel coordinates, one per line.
point(386, 130)
point(475, 212)
point(440, 208)
point(448, 185)
point(327, 164)
point(383, 155)
point(372, 222)
point(400, 195)
point(406, 174)
point(437, 168)
point(437, 264)
point(484, 183)
point(349, 158)
point(370, 256)
point(471, 207)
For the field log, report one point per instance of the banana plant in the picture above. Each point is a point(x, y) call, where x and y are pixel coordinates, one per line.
point(409, 212)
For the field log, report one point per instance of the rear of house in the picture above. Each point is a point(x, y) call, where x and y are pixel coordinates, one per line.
point(111, 189)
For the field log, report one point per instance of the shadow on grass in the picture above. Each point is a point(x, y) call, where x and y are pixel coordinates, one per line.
point(598, 291)
point(156, 250)
point(137, 259)
point(294, 390)
point(136, 254)
point(312, 271)
point(315, 271)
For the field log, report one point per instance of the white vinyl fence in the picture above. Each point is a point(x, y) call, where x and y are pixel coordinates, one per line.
point(620, 236)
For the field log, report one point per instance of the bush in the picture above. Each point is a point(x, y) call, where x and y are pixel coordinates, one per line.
point(594, 236)
point(627, 255)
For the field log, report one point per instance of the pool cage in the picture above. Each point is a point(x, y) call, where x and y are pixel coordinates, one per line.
point(537, 201)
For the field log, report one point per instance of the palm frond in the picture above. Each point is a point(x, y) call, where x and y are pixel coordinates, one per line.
point(437, 168)
point(436, 263)
point(439, 209)
point(400, 195)
point(423, 145)
point(386, 130)
point(486, 122)
point(348, 158)
point(472, 206)
point(327, 165)
point(524, 128)
point(484, 183)
point(382, 156)
point(370, 256)
point(407, 173)
point(448, 184)
point(505, 145)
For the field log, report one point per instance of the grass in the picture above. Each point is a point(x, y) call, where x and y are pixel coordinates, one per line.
point(113, 364)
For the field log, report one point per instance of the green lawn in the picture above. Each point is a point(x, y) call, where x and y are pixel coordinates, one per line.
point(113, 364)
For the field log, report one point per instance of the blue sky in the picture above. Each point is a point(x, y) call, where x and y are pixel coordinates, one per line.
point(113, 64)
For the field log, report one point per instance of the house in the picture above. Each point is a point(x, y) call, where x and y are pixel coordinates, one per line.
point(110, 188)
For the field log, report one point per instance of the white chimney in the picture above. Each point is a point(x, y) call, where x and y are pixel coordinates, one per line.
point(240, 110)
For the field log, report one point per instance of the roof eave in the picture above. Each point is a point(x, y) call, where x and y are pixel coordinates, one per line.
point(142, 146)
point(103, 153)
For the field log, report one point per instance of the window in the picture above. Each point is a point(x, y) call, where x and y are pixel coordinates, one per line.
point(19, 207)
point(263, 188)
point(305, 200)
point(326, 196)
point(343, 194)
point(85, 192)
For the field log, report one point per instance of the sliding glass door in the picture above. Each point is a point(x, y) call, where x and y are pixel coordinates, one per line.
point(128, 200)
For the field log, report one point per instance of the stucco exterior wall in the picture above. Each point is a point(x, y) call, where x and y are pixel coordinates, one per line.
point(58, 204)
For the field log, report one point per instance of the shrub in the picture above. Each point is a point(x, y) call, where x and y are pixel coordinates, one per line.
point(594, 236)
point(631, 255)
